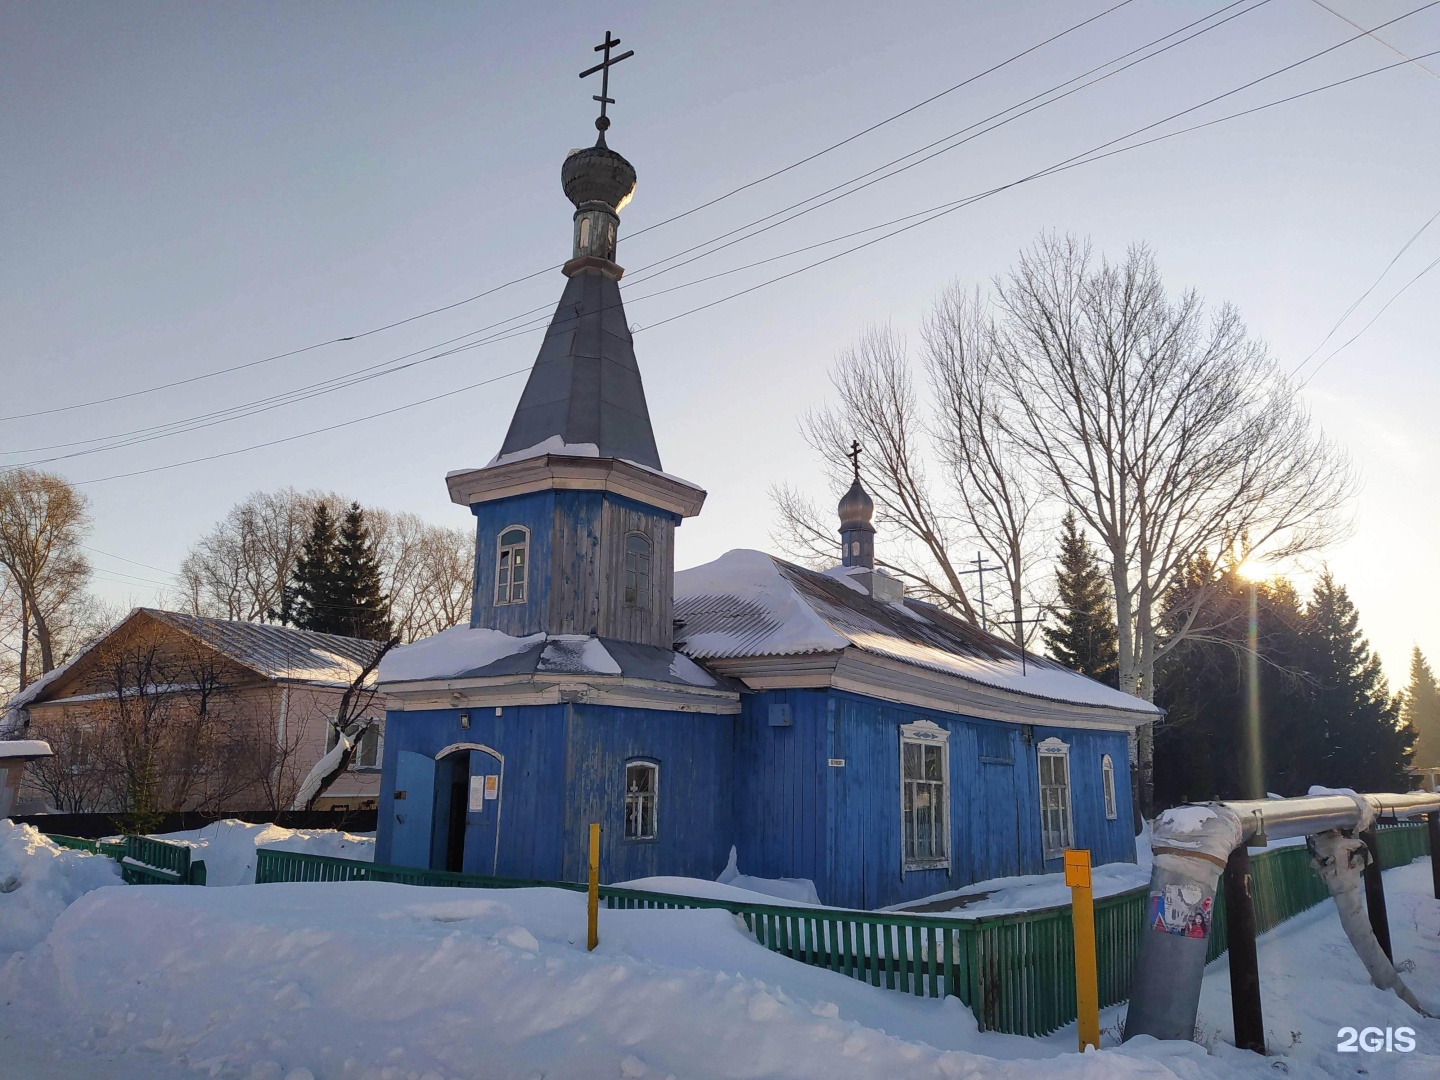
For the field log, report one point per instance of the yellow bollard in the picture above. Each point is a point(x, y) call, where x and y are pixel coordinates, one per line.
point(592, 935)
point(1082, 913)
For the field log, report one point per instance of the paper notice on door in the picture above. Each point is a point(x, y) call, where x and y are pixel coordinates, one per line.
point(477, 792)
point(492, 787)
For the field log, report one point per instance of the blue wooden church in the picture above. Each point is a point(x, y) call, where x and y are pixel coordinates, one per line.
point(822, 724)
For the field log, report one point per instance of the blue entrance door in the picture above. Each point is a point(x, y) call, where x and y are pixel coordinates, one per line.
point(415, 779)
point(482, 818)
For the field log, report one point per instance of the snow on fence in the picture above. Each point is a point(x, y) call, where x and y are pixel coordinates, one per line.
point(143, 860)
point(1016, 972)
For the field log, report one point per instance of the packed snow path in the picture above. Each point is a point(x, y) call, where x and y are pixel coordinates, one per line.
point(371, 981)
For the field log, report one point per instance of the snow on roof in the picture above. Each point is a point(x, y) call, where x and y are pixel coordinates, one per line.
point(24, 748)
point(465, 652)
point(278, 652)
point(747, 603)
point(451, 653)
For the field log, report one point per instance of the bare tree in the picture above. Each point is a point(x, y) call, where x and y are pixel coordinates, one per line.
point(167, 731)
point(1081, 384)
point(241, 568)
point(988, 475)
point(1167, 428)
point(353, 718)
point(879, 407)
point(43, 522)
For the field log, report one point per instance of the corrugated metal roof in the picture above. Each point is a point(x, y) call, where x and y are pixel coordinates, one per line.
point(749, 605)
point(278, 652)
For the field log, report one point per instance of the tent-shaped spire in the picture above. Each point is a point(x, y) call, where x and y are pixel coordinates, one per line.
point(585, 386)
point(585, 389)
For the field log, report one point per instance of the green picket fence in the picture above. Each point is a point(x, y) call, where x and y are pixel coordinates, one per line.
point(1015, 972)
point(143, 860)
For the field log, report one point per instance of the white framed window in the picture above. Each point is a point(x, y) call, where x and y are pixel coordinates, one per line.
point(512, 565)
point(924, 796)
point(637, 569)
point(369, 747)
point(642, 792)
point(1055, 832)
point(1107, 782)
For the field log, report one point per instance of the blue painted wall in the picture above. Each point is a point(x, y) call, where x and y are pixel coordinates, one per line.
point(768, 790)
point(564, 768)
point(796, 816)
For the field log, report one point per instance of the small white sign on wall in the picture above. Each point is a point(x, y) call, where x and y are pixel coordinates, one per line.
point(477, 792)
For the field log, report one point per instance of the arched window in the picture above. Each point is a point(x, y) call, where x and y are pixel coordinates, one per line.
point(642, 790)
point(512, 565)
point(1055, 830)
point(637, 570)
point(1107, 781)
point(584, 234)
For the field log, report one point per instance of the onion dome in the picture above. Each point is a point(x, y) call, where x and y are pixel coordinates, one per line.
point(856, 508)
point(597, 174)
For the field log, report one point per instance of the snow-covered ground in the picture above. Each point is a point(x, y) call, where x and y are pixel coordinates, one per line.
point(39, 880)
point(228, 847)
point(373, 981)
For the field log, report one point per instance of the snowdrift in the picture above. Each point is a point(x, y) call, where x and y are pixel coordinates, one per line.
point(39, 880)
point(228, 847)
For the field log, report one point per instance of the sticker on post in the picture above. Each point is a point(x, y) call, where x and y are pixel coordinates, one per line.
point(1183, 910)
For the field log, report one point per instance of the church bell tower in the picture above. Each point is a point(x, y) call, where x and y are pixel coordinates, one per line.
point(575, 521)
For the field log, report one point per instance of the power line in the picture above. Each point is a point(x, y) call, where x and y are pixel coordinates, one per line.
point(1345, 18)
point(122, 558)
point(151, 433)
point(1087, 157)
point(547, 269)
point(1365, 295)
point(1373, 318)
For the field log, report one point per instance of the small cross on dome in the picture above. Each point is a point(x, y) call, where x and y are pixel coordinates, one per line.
point(602, 122)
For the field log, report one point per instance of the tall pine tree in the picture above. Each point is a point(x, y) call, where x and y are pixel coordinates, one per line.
point(1421, 710)
point(1365, 745)
point(313, 599)
point(364, 610)
point(1083, 637)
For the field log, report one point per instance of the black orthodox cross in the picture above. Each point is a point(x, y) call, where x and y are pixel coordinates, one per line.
point(603, 67)
point(854, 455)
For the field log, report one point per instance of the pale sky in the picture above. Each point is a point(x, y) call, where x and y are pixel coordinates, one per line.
point(189, 187)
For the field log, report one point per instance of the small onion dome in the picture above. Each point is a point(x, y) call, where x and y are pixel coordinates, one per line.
point(856, 508)
point(598, 174)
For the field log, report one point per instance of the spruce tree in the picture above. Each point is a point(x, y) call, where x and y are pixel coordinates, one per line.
point(1421, 710)
point(364, 611)
point(314, 597)
point(1365, 745)
point(1083, 637)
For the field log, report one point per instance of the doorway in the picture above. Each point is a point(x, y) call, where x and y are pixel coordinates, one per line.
point(467, 796)
point(452, 787)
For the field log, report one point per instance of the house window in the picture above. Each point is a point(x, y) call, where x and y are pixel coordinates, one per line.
point(642, 787)
point(1107, 781)
point(924, 795)
point(637, 569)
point(368, 747)
point(512, 565)
point(1055, 831)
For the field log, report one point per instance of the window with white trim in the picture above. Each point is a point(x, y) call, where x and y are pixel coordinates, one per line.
point(637, 569)
point(642, 790)
point(924, 795)
point(1055, 832)
point(369, 745)
point(512, 565)
point(1107, 782)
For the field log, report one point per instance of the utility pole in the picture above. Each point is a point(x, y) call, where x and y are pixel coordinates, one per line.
point(981, 566)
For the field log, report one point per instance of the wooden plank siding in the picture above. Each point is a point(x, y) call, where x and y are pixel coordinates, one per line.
point(576, 580)
point(796, 816)
point(565, 768)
